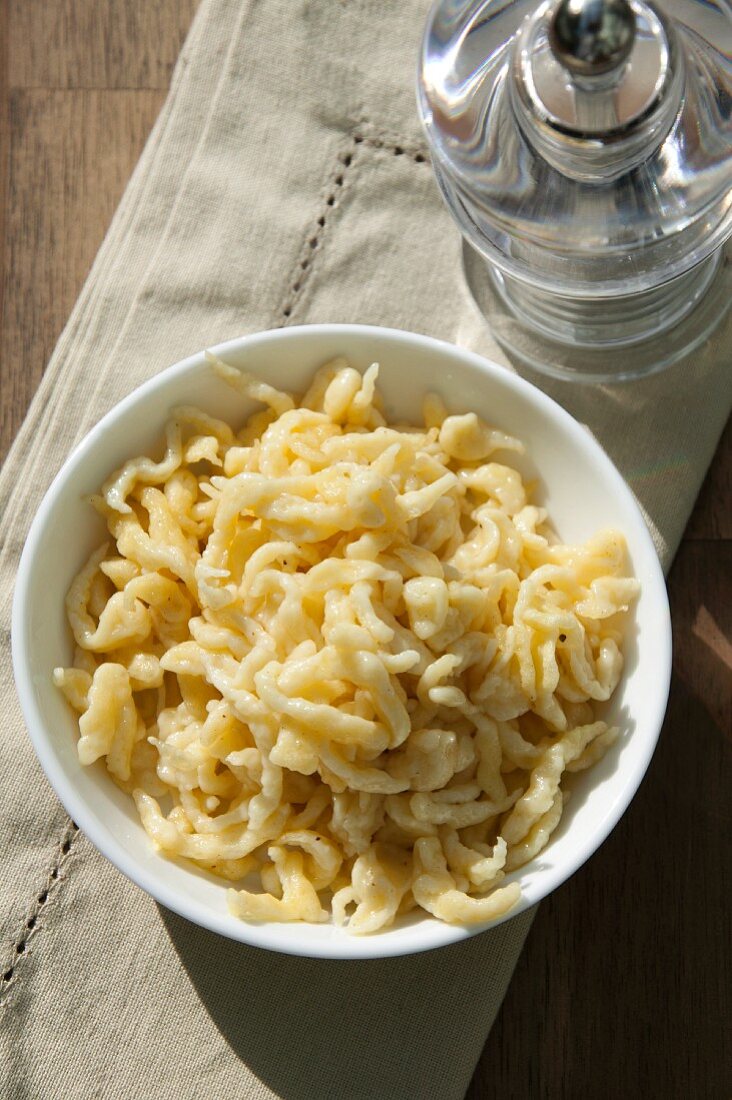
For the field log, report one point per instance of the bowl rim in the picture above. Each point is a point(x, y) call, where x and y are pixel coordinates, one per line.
point(265, 935)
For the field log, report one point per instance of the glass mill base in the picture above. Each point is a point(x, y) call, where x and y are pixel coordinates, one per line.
point(602, 339)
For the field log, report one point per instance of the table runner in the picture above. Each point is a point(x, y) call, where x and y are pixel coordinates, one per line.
point(285, 181)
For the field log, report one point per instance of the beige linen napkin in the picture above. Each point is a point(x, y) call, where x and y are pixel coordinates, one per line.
point(285, 181)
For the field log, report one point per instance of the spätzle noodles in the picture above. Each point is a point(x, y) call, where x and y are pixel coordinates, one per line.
point(344, 665)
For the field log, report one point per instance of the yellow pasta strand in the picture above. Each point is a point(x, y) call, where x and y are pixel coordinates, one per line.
point(341, 664)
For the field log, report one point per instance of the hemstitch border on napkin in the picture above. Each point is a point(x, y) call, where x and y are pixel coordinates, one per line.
point(31, 924)
point(364, 135)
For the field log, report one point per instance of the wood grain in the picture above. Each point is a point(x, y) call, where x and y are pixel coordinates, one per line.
point(623, 988)
point(95, 43)
point(70, 156)
point(712, 516)
point(4, 169)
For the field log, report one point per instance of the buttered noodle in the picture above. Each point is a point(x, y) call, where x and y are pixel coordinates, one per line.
point(343, 664)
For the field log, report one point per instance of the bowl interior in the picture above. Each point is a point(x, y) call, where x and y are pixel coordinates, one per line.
point(576, 482)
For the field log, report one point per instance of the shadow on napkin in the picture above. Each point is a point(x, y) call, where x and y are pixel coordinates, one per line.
point(643, 424)
point(326, 1028)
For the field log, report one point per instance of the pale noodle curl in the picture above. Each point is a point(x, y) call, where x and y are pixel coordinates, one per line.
point(345, 659)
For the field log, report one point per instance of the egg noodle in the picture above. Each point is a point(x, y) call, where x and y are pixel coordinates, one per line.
point(343, 664)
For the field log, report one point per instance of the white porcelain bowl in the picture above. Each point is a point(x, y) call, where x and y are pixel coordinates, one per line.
point(581, 488)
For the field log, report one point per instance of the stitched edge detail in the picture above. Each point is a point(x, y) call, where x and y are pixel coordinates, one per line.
point(31, 924)
point(364, 135)
point(391, 142)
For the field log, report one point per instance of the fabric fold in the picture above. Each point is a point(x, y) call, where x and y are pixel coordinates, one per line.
point(286, 181)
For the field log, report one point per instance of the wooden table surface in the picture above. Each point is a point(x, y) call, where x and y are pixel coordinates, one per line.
point(623, 989)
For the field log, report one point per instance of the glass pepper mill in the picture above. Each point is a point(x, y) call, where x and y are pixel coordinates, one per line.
point(584, 148)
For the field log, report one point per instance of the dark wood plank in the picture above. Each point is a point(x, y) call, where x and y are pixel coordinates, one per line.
point(712, 516)
point(71, 154)
point(700, 590)
point(623, 988)
point(96, 43)
point(4, 155)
